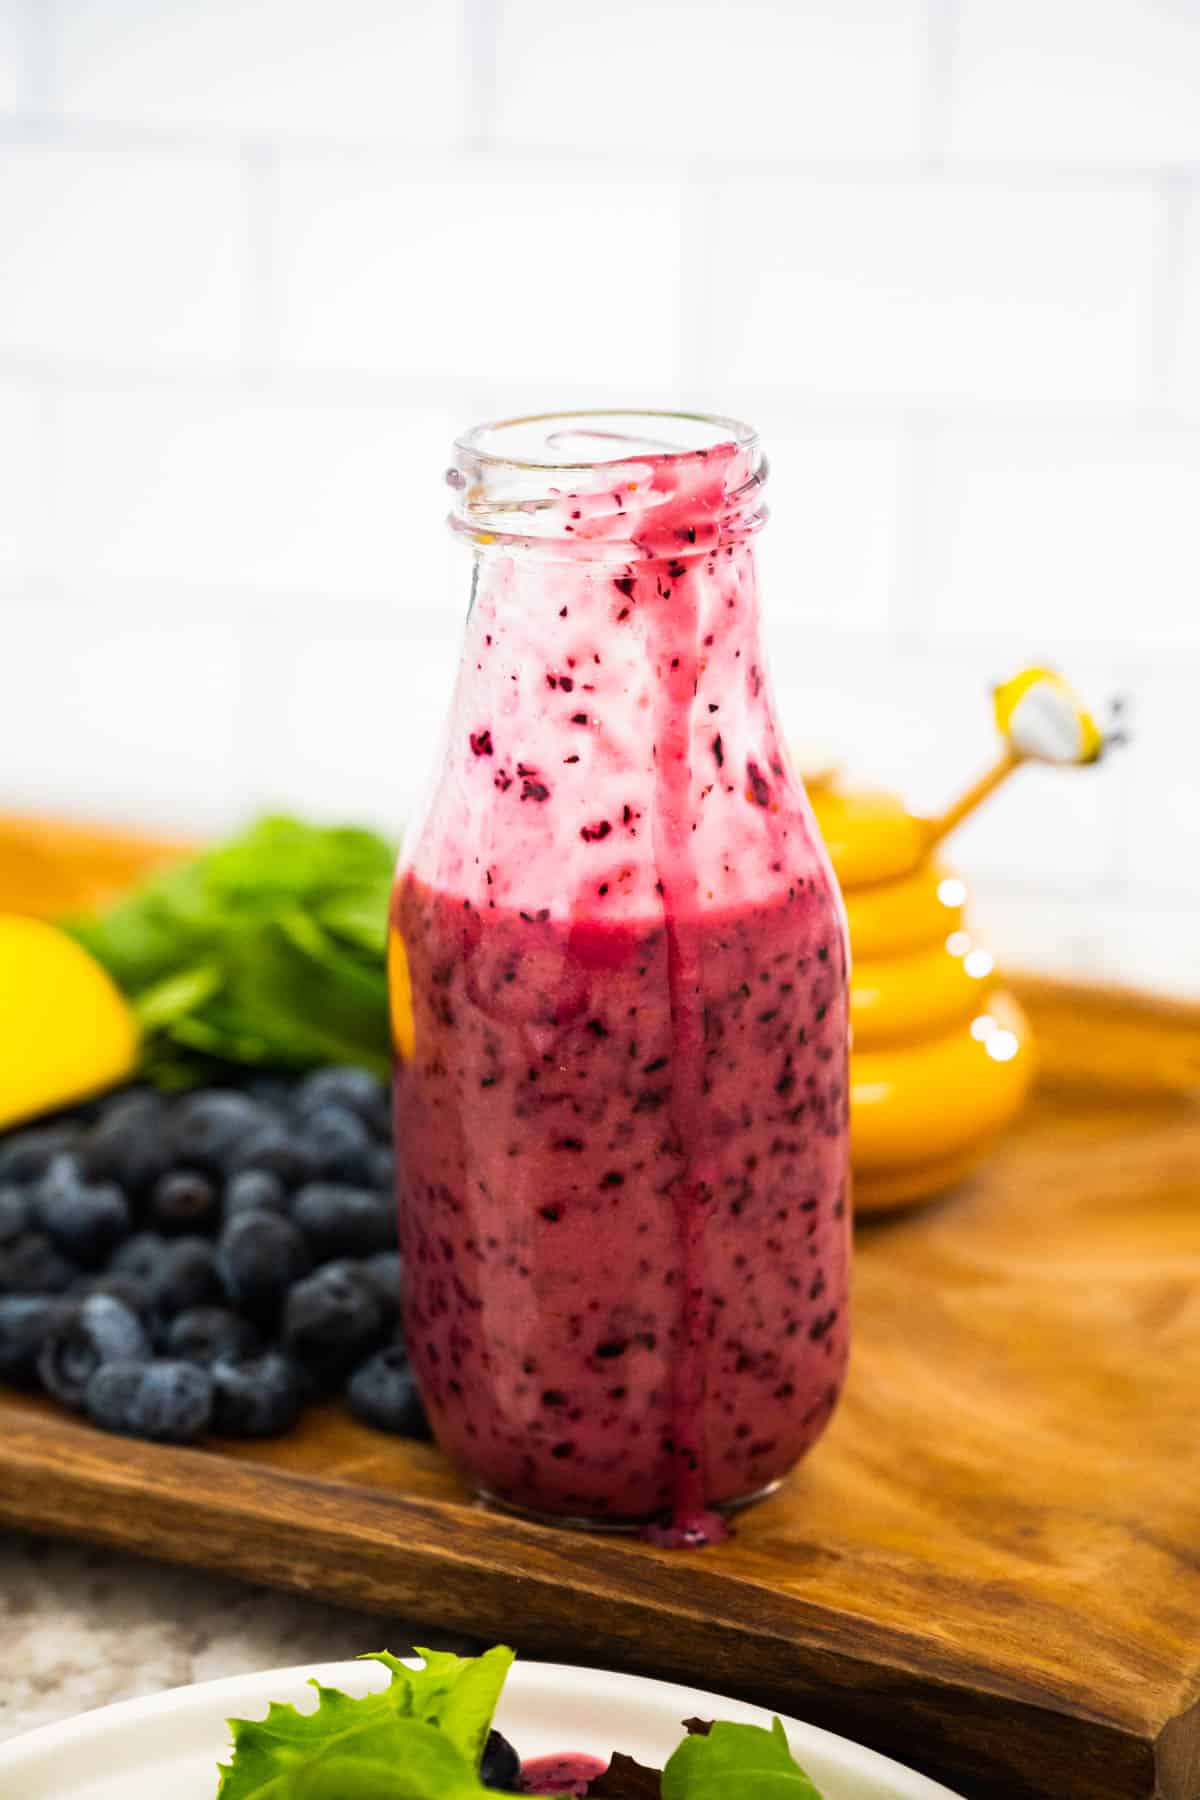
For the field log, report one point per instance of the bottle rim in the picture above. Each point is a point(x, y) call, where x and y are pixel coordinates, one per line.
point(522, 482)
point(612, 424)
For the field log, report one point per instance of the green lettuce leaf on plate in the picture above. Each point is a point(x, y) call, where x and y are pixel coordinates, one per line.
point(419, 1738)
point(423, 1737)
point(736, 1759)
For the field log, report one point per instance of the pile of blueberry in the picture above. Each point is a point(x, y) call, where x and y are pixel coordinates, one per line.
point(172, 1265)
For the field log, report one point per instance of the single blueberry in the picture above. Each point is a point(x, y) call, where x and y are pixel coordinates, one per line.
point(166, 1402)
point(274, 1092)
point(358, 1090)
point(385, 1271)
point(26, 1321)
point(383, 1393)
point(276, 1148)
point(209, 1128)
point(256, 1396)
point(183, 1200)
point(140, 1257)
point(128, 1142)
point(500, 1766)
point(381, 1170)
point(207, 1334)
point(338, 1142)
point(331, 1320)
point(26, 1155)
point(14, 1212)
point(186, 1276)
point(343, 1221)
point(260, 1255)
point(85, 1334)
point(111, 1392)
point(134, 1294)
point(255, 1190)
point(86, 1221)
point(33, 1264)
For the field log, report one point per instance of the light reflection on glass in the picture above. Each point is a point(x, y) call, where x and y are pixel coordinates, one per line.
point(958, 943)
point(1002, 1046)
point(982, 1027)
point(952, 891)
point(979, 963)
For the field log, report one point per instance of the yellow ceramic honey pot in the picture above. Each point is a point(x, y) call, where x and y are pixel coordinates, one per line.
point(943, 1054)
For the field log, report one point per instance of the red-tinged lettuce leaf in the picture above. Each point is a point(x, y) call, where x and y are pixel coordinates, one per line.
point(625, 1779)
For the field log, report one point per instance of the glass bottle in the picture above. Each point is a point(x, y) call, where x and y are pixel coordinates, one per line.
point(618, 973)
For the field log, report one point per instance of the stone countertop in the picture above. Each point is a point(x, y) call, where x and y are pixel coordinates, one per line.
point(83, 1627)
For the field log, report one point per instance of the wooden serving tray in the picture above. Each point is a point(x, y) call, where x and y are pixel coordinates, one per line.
point(990, 1566)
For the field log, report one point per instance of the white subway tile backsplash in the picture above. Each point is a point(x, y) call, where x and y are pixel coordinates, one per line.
point(919, 725)
point(934, 294)
point(827, 77)
point(922, 726)
point(360, 67)
point(829, 553)
point(1156, 946)
point(1047, 825)
point(25, 519)
point(120, 712)
point(13, 56)
point(472, 269)
point(120, 255)
point(1089, 937)
point(255, 491)
point(1164, 818)
point(1038, 540)
point(1045, 934)
point(1109, 81)
point(347, 724)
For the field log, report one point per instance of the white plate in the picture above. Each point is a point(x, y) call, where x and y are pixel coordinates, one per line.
point(167, 1746)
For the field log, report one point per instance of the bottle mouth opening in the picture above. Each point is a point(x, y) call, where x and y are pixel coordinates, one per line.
point(578, 441)
point(618, 483)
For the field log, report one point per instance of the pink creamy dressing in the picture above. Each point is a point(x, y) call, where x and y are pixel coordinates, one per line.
point(560, 1774)
point(622, 1130)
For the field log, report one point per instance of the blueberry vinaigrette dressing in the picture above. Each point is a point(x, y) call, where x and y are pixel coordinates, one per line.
point(618, 974)
point(570, 1774)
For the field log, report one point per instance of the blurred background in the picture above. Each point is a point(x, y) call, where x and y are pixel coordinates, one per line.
point(260, 259)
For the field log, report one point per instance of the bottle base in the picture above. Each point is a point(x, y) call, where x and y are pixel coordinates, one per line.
point(623, 1527)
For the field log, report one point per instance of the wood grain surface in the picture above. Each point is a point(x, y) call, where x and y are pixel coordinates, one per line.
point(990, 1567)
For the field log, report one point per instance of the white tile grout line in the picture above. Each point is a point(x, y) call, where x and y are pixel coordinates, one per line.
point(905, 169)
point(351, 386)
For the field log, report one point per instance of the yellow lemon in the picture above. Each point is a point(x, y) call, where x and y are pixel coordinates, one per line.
point(66, 1031)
